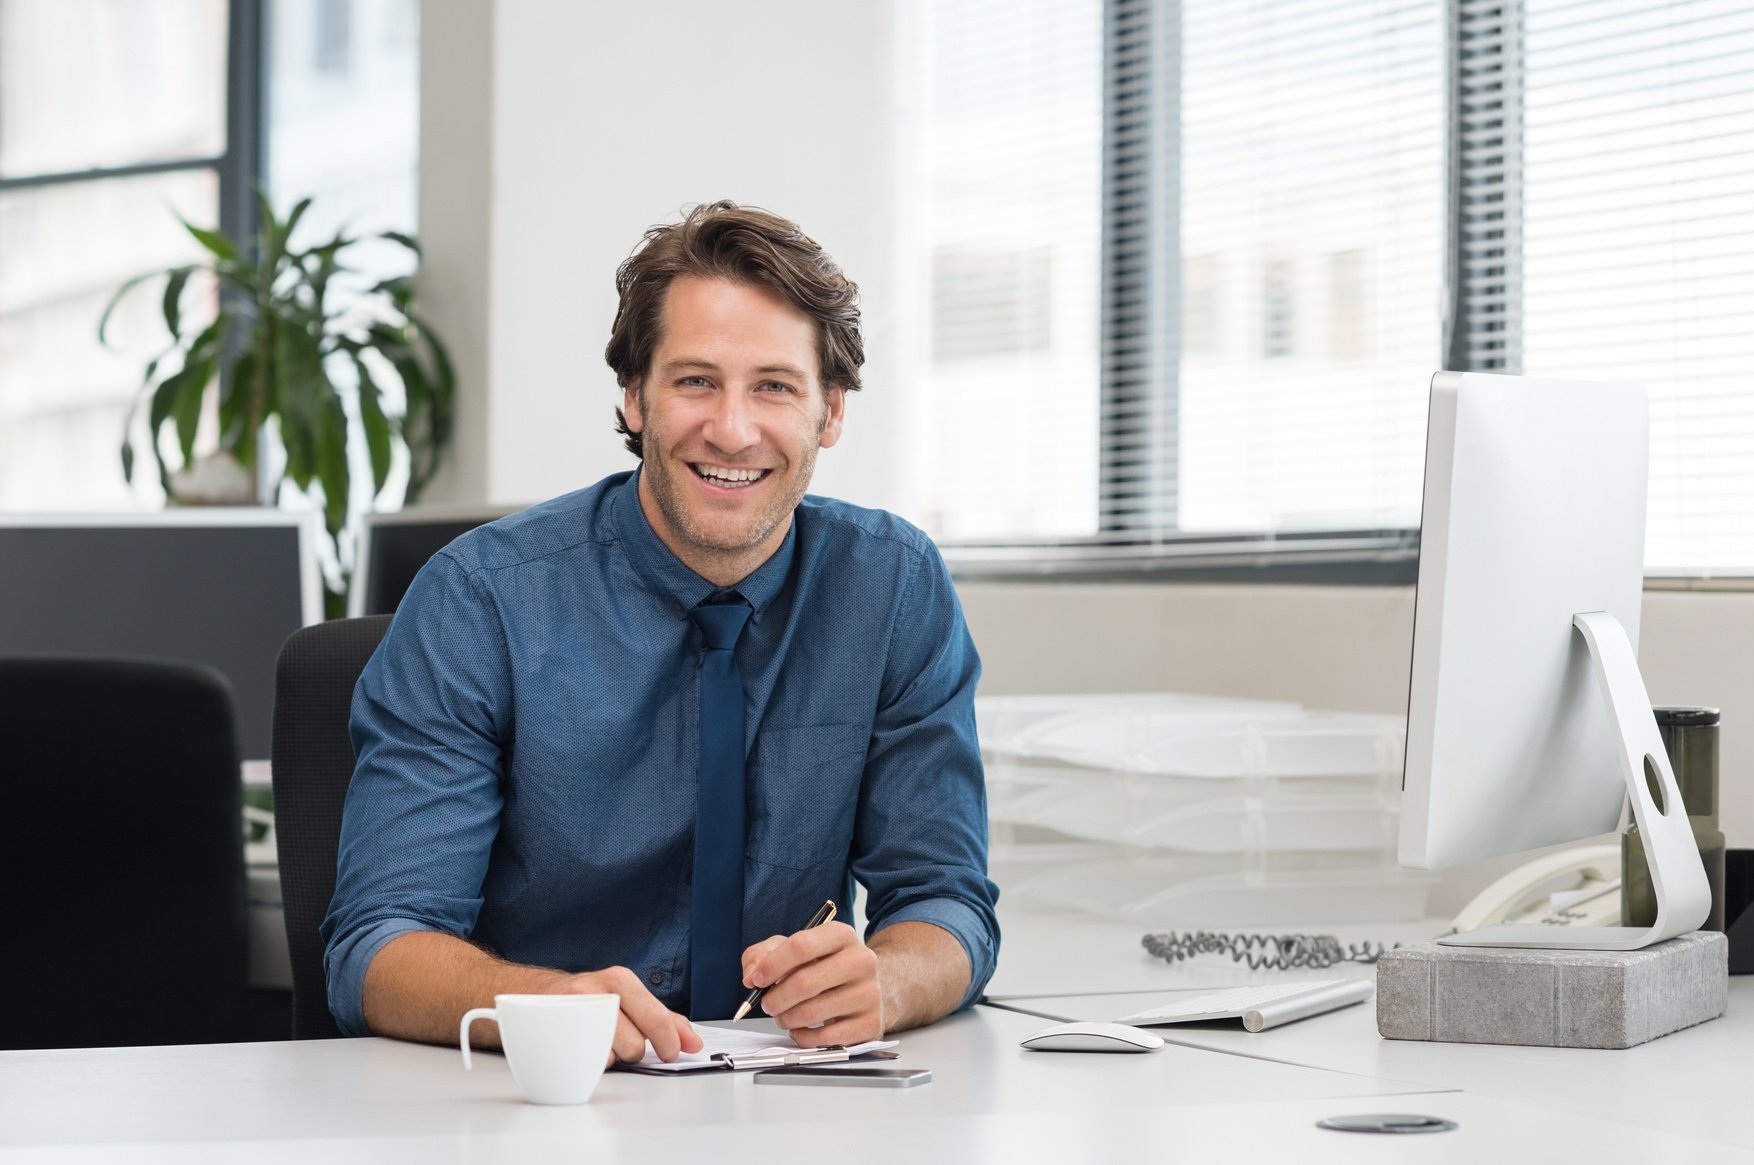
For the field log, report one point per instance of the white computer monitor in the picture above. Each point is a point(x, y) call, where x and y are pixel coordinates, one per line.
point(1527, 719)
point(222, 587)
point(393, 547)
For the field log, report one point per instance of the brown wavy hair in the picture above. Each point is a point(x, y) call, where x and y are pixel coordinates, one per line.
point(744, 245)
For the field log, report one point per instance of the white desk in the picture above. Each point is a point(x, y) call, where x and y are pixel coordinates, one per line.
point(375, 1100)
point(1691, 1083)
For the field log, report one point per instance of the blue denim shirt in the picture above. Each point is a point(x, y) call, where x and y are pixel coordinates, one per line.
point(526, 739)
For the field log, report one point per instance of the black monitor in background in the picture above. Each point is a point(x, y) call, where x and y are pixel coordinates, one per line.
point(221, 587)
point(393, 548)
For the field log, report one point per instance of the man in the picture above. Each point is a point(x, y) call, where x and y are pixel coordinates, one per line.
point(630, 739)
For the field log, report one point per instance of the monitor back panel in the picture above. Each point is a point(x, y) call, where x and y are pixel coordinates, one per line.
point(1534, 511)
point(224, 596)
point(396, 547)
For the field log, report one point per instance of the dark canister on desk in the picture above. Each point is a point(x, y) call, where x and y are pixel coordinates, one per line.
point(1690, 738)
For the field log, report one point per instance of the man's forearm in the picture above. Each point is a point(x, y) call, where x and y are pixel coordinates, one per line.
point(923, 973)
point(420, 984)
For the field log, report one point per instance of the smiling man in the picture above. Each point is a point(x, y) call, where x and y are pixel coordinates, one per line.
point(629, 740)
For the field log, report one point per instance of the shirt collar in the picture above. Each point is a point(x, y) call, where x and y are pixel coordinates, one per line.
point(668, 575)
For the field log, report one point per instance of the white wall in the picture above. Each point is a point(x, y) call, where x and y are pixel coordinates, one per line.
point(554, 134)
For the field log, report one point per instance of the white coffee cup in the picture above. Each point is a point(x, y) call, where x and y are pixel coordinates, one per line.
point(557, 1045)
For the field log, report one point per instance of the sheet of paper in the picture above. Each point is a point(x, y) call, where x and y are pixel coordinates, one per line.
point(739, 1042)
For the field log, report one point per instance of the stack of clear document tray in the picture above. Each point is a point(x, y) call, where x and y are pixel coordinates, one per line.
point(1184, 810)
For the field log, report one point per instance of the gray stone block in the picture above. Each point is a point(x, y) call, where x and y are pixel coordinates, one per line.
point(1556, 999)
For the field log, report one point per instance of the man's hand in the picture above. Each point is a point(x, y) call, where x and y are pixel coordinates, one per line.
point(822, 985)
point(642, 1019)
point(421, 982)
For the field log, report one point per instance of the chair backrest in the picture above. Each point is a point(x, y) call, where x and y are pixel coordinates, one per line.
point(121, 851)
point(312, 758)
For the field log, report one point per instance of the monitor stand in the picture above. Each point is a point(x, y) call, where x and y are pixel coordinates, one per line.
point(1678, 876)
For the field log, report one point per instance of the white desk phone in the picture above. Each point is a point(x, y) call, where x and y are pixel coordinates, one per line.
point(1574, 887)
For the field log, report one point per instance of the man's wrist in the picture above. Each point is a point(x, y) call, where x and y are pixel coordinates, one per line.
point(922, 973)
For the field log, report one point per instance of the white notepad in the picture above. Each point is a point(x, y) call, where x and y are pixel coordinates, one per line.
point(1259, 1006)
point(733, 1041)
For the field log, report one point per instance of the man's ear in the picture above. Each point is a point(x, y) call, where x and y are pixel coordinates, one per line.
point(836, 398)
point(636, 421)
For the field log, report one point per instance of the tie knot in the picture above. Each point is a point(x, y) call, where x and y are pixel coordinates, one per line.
point(721, 622)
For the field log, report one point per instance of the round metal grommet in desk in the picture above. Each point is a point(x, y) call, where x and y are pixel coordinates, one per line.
point(1387, 1122)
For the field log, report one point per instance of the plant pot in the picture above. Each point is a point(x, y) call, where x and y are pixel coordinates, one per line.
point(216, 479)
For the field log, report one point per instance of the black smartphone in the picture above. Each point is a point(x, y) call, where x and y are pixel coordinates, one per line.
point(846, 1077)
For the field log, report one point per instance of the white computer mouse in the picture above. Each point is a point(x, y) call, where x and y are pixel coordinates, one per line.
point(1093, 1037)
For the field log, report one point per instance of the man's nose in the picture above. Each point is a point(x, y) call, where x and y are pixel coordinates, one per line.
point(731, 427)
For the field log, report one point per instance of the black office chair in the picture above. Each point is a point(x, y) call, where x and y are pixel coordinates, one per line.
point(126, 916)
point(313, 763)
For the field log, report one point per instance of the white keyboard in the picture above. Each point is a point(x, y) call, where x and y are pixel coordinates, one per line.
point(1259, 1006)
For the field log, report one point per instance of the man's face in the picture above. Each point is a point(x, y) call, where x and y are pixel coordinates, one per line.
point(732, 412)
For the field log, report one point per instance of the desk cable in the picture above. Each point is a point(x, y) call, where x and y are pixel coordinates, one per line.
point(1271, 952)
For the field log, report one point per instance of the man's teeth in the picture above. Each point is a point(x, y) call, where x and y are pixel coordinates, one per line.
point(729, 476)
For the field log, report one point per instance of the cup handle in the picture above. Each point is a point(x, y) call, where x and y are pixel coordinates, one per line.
point(470, 1017)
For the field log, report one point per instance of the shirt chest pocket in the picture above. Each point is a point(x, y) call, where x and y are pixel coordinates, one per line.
point(804, 793)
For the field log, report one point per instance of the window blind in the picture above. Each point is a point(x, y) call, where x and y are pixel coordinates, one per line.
point(1140, 269)
point(1312, 201)
point(1008, 222)
point(1638, 203)
point(1484, 300)
point(1306, 208)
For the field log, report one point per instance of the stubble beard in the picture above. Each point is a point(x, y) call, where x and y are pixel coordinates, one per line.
point(668, 493)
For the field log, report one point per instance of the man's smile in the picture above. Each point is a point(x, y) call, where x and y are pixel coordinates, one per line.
point(725, 477)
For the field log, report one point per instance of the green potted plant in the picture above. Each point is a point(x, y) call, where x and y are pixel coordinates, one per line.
point(282, 357)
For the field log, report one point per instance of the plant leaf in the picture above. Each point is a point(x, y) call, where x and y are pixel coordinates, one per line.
point(408, 241)
point(266, 223)
point(445, 382)
point(173, 299)
point(295, 394)
point(199, 361)
point(163, 398)
point(186, 409)
point(186, 412)
point(421, 424)
point(376, 426)
point(179, 396)
point(128, 422)
point(235, 395)
point(215, 242)
point(311, 391)
point(103, 322)
point(291, 223)
point(331, 440)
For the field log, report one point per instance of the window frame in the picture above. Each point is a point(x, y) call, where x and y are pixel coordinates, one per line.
point(239, 168)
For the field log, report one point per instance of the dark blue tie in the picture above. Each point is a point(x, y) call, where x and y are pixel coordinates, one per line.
point(716, 913)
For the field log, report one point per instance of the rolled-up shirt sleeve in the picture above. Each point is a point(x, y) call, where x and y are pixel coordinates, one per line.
point(921, 834)
point(430, 715)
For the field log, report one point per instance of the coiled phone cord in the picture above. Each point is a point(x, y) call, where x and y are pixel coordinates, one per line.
point(1272, 952)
